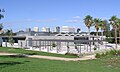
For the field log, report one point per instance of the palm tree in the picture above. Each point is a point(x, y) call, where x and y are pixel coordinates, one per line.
point(1, 16)
point(11, 40)
point(114, 22)
point(102, 26)
point(118, 28)
point(88, 22)
point(97, 26)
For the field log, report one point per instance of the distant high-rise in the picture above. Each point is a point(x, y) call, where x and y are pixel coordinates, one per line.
point(57, 29)
point(66, 29)
point(45, 29)
point(28, 29)
point(36, 29)
point(78, 30)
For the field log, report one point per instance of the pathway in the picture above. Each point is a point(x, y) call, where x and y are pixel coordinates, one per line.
point(56, 58)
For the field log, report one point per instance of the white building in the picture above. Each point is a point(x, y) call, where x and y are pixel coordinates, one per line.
point(57, 29)
point(45, 29)
point(36, 29)
point(67, 29)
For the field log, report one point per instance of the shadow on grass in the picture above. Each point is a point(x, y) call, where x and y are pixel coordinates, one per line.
point(31, 53)
point(15, 56)
point(9, 63)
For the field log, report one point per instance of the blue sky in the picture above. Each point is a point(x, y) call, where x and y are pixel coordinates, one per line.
point(22, 14)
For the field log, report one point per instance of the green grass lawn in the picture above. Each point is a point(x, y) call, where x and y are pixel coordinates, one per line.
point(15, 64)
point(22, 51)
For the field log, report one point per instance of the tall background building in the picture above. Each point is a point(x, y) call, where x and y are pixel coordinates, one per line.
point(45, 29)
point(57, 29)
point(28, 29)
point(78, 30)
point(36, 29)
point(67, 29)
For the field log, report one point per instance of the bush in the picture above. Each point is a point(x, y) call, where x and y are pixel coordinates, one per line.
point(71, 54)
point(94, 48)
point(107, 53)
point(54, 45)
point(97, 55)
point(108, 40)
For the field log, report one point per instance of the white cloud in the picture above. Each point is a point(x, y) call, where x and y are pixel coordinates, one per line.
point(77, 17)
point(29, 20)
point(47, 20)
point(73, 21)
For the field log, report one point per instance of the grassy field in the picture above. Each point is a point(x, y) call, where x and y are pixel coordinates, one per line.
point(22, 51)
point(15, 64)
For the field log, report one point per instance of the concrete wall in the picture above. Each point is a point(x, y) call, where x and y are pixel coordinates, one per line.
point(6, 44)
point(22, 43)
point(51, 37)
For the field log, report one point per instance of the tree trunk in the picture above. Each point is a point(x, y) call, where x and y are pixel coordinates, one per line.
point(68, 47)
point(97, 37)
point(102, 35)
point(119, 36)
point(116, 36)
point(89, 33)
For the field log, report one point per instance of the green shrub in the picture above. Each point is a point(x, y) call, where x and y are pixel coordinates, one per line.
point(108, 40)
point(103, 54)
point(94, 48)
point(113, 52)
point(97, 55)
point(71, 54)
point(107, 53)
point(54, 45)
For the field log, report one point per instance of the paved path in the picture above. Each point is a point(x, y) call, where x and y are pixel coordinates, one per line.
point(56, 58)
point(64, 59)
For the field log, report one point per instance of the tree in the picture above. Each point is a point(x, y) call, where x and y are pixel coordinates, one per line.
point(102, 27)
point(1, 16)
point(9, 33)
point(88, 22)
point(118, 29)
point(114, 22)
point(11, 41)
point(97, 26)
